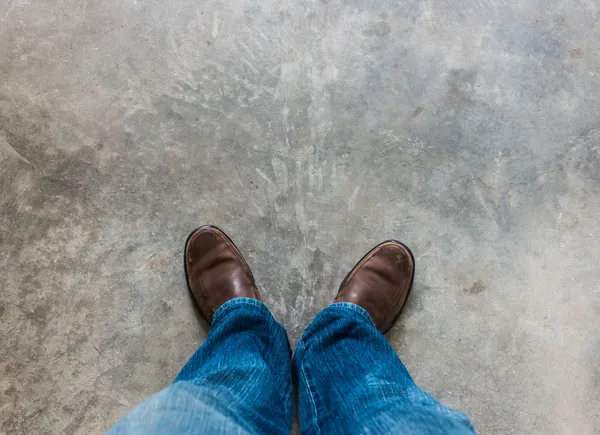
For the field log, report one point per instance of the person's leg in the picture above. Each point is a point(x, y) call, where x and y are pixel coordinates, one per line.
point(349, 378)
point(239, 381)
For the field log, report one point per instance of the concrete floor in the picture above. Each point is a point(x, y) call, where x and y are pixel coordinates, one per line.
point(469, 129)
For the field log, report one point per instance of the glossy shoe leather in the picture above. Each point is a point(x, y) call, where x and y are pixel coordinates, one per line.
point(216, 271)
point(380, 283)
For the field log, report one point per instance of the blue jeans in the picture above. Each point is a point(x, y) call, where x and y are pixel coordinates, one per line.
point(349, 380)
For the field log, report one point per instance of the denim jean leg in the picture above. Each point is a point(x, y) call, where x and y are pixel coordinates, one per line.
point(350, 380)
point(238, 381)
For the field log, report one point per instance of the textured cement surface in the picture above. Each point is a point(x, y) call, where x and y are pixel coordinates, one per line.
point(309, 131)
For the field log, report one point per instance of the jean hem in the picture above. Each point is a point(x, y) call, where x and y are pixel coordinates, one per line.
point(344, 306)
point(237, 303)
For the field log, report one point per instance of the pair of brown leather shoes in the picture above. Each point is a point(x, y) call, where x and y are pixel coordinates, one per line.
point(217, 272)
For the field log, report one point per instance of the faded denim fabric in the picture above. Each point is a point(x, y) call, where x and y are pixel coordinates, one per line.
point(350, 380)
point(239, 381)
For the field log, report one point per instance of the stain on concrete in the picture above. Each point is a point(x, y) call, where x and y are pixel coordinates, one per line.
point(576, 53)
point(380, 28)
point(418, 111)
point(476, 288)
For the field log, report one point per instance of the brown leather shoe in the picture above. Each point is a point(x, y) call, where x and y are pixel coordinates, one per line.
point(380, 283)
point(216, 270)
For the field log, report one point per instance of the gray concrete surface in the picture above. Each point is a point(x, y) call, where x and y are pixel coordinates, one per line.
point(309, 131)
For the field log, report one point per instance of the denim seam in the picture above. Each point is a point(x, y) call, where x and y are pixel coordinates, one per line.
point(286, 395)
point(314, 419)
